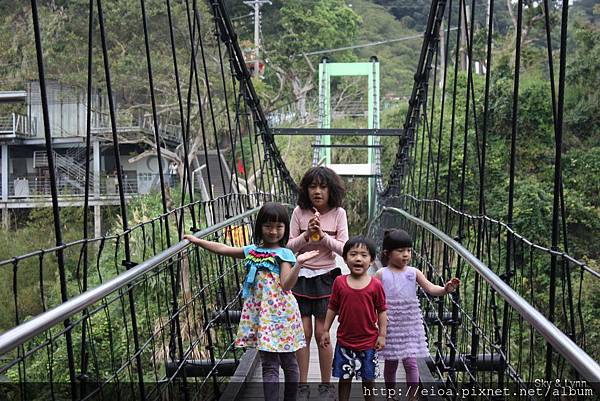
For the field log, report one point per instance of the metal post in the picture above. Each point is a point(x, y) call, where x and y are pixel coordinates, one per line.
point(4, 172)
point(256, 37)
point(256, 4)
point(4, 169)
point(324, 110)
point(373, 122)
point(96, 168)
point(97, 221)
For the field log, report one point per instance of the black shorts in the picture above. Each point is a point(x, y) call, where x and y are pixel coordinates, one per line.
point(313, 307)
point(313, 293)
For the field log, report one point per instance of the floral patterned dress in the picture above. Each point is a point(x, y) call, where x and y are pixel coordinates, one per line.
point(270, 318)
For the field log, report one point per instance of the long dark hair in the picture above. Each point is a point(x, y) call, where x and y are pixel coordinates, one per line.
point(322, 175)
point(272, 213)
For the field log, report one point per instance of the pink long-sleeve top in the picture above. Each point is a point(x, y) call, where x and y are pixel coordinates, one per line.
point(334, 225)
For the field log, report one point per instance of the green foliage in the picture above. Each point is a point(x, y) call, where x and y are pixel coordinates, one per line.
point(315, 25)
point(582, 106)
point(398, 60)
point(294, 27)
point(37, 232)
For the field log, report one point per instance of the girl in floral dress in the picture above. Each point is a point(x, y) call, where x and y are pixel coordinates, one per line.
point(270, 318)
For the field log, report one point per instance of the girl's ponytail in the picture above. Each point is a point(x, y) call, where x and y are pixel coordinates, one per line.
point(395, 239)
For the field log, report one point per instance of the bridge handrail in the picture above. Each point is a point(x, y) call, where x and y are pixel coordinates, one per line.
point(580, 360)
point(18, 335)
point(511, 231)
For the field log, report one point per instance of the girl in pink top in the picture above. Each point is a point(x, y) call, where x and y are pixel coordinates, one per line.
point(318, 223)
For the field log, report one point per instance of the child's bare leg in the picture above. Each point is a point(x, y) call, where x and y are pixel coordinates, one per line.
point(368, 389)
point(303, 354)
point(345, 385)
point(325, 354)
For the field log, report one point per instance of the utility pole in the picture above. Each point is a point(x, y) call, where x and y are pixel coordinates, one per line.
point(255, 5)
point(463, 34)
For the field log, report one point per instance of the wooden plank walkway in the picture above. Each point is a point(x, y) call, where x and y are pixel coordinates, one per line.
point(254, 390)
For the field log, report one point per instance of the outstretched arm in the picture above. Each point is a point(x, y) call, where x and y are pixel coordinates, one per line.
point(216, 247)
point(289, 275)
point(436, 290)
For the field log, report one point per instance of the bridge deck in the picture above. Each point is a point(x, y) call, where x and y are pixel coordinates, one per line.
point(254, 390)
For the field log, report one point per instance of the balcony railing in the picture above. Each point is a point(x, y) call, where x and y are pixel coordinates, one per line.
point(18, 125)
point(37, 187)
point(166, 130)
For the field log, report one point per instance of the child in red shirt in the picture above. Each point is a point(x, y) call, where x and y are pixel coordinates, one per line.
point(359, 302)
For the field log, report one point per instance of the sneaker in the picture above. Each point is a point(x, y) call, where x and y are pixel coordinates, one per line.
point(327, 392)
point(303, 392)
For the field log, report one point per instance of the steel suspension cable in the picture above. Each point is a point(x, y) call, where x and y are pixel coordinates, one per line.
point(431, 123)
point(236, 74)
point(54, 192)
point(562, 195)
point(260, 118)
point(423, 122)
point(208, 91)
point(182, 118)
point(513, 141)
point(469, 44)
point(193, 79)
point(230, 179)
point(557, 174)
point(117, 154)
point(442, 108)
point(238, 111)
point(88, 135)
point(185, 124)
point(453, 119)
point(175, 324)
point(157, 138)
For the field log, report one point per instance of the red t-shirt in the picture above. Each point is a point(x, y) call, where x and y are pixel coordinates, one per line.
point(357, 312)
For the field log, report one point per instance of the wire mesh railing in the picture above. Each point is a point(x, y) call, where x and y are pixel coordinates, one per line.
point(461, 168)
point(181, 346)
point(489, 339)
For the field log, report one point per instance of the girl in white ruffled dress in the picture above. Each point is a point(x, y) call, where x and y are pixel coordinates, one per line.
point(405, 340)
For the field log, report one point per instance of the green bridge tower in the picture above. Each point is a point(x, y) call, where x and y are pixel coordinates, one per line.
point(323, 146)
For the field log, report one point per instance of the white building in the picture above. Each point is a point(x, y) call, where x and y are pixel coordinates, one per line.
point(24, 173)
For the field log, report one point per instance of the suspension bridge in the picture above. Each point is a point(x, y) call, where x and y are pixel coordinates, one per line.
point(140, 314)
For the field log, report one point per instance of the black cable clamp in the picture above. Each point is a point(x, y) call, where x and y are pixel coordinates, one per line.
point(128, 264)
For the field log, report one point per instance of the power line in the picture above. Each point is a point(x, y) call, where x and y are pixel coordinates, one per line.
point(242, 17)
point(381, 42)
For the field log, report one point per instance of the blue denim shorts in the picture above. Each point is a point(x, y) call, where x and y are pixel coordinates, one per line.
point(348, 364)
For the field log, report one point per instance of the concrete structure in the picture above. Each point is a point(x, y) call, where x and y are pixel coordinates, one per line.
point(24, 174)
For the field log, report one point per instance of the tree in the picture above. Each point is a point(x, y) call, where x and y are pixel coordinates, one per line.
point(306, 27)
